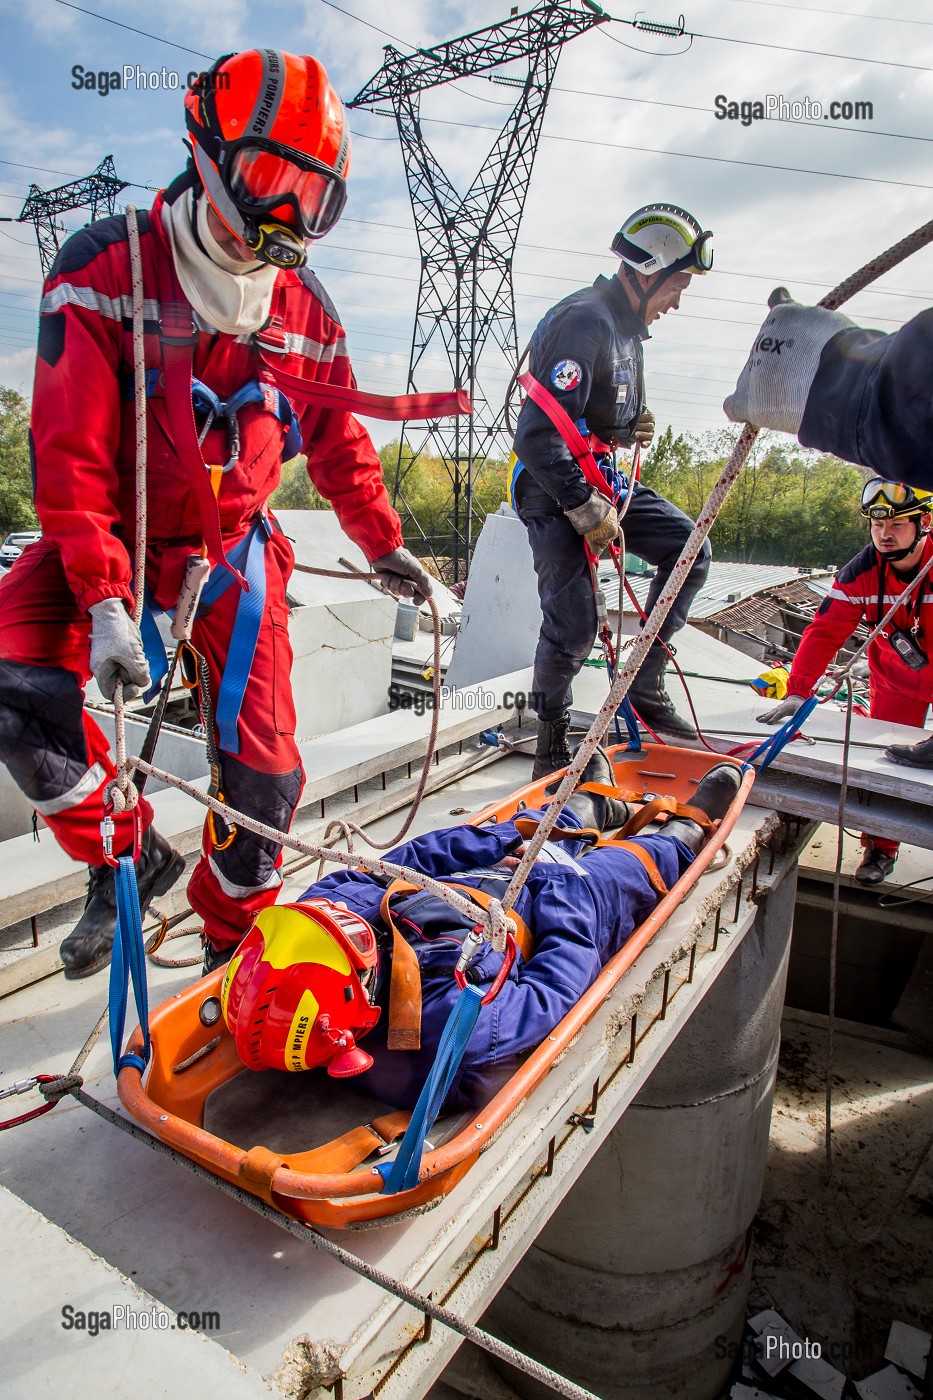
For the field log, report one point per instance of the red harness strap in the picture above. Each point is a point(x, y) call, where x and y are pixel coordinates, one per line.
point(392, 408)
point(577, 444)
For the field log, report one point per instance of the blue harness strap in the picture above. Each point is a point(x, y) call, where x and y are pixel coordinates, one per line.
point(207, 402)
point(153, 646)
point(244, 638)
point(772, 746)
point(128, 963)
point(403, 1173)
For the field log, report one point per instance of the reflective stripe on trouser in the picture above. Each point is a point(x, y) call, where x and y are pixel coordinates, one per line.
point(655, 530)
point(229, 887)
point(892, 705)
point(59, 758)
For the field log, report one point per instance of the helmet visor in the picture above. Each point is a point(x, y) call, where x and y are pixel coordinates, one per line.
point(261, 177)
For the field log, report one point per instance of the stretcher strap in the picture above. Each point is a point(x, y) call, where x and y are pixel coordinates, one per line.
point(344, 1153)
point(403, 1174)
point(652, 871)
point(527, 826)
point(128, 963)
point(655, 808)
point(404, 1032)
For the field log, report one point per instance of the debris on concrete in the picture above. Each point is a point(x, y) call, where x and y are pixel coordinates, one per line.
point(818, 1377)
point(889, 1384)
point(747, 1392)
point(909, 1348)
point(778, 1343)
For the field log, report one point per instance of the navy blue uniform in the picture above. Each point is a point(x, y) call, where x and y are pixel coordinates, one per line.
point(871, 401)
point(579, 909)
point(587, 352)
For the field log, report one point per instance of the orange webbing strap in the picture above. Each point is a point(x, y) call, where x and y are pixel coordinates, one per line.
point(404, 1031)
point(527, 826)
point(653, 809)
point(607, 790)
point(652, 871)
point(344, 1153)
point(257, 1169)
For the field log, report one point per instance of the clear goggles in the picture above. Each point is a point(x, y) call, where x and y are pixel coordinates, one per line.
point(883, 499)
point(350, 930)
point(700, 257)
point(261, 176)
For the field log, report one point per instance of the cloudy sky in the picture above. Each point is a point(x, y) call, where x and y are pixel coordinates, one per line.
point(631, 119)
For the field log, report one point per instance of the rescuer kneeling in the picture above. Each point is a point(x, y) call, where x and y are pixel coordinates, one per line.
point(311, 979)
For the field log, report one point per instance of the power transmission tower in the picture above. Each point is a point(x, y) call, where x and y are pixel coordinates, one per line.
point(467, 242)
point(97, 192)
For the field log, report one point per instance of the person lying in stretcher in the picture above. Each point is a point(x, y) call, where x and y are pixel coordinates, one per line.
point(354, 958)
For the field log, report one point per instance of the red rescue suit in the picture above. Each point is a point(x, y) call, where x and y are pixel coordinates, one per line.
point(83, 445)
point(862, 592)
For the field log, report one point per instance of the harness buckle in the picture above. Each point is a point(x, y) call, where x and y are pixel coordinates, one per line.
point(176, 327)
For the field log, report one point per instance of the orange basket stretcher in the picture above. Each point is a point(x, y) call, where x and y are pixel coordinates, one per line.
point(335, 1184)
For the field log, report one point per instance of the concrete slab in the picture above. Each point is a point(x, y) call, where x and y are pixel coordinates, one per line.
point(73, 1326)
point(889, 1384)
point(819, 1377)
point(909, 1348)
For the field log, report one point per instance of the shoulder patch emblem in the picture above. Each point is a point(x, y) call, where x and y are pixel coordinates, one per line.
point(566, 375)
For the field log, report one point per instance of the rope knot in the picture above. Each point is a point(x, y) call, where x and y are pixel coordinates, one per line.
point(57, 1088)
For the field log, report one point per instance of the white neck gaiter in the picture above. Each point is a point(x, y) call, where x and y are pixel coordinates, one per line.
point(230, 296)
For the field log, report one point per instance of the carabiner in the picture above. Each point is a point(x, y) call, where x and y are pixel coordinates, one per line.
point(511, 949)
point(108, 831)
point(212, 828)
point(23, 1086)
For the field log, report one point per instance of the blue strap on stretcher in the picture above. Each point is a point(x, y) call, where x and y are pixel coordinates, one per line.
point(403, 1173)
point(771, 747)
point(247, 556)
point(127, 964)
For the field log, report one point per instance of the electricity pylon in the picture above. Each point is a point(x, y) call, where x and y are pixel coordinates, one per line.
point(467, 242)
point(96, 192)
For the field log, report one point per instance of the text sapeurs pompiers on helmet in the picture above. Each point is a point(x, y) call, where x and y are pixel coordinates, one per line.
point(271, 146)
point(662, 239)
point(297, 992)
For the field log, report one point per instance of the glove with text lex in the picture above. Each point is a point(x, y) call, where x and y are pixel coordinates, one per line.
point(117, 650)
point(596, 521)
point(401, 575)
point(773, 388)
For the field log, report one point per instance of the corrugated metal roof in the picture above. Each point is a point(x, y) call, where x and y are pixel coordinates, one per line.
point(727, 584)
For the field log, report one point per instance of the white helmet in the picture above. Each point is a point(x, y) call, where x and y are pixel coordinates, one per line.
point(663, 237)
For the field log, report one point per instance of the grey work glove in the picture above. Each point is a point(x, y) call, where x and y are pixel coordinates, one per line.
point(117, 650)
point(644, 428)
point(782, 711)
point(401, 575)
point(596, 520)
point(773, 388)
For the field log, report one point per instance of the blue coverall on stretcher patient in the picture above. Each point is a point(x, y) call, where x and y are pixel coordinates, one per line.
point(580, 904)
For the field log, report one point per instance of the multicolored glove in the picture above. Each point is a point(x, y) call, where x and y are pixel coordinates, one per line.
point(401, 575)
point(773, 388)
point(772, 684)
point(596, 521)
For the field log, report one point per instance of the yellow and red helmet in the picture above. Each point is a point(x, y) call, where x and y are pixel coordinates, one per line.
point(296, 993)
point(271, 145)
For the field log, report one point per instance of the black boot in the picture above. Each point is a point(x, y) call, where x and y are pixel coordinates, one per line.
point(714, 796)
point(652, 701)
point(592, 809)
point(87, 947)
point(912, 755)
point(553, 749)
point(875, 868)
point(216, 957)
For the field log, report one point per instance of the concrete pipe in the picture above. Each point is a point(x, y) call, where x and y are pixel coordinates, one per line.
point(637, 1287)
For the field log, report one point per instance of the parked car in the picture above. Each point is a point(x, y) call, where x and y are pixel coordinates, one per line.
point(14, 545)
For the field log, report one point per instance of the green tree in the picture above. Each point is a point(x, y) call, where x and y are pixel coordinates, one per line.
point(295, 491)
point(16, 508)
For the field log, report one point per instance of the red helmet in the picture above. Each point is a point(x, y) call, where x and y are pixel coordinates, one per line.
point(296, 991)
point(272, 148)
